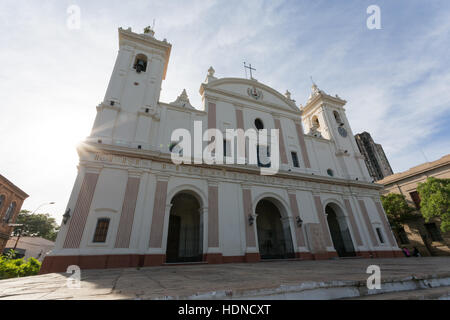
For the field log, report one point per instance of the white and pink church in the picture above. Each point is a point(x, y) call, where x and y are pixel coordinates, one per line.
point(132, 206)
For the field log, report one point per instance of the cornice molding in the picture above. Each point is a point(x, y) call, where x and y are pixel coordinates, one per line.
point(181, 109)
point(136, 157)
point(102, 106)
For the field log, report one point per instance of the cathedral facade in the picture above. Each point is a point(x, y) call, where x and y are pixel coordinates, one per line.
point(132, 206)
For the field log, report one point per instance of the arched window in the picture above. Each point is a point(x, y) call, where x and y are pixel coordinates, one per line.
point(259, 124)
point(140, 63)
point(315, 122)
point(10, 212)
point(101, 230)
point(337, 117)
point(330, 172)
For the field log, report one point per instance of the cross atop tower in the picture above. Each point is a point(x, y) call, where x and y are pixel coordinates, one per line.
point(250, 68)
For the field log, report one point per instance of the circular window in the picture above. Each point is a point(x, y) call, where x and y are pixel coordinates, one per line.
point(259, 124)
point(330, 172)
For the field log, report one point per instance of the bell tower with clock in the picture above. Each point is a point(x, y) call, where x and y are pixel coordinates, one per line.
point(324, 117)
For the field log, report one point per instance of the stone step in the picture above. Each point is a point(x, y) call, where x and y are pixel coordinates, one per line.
point(341, 290)
point(439, 293)
point(424, 278)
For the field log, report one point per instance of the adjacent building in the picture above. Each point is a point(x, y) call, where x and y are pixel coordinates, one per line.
point(11, 200)
point(426, 236)
point(27, 247)
point(374, 156)
point(132, 205)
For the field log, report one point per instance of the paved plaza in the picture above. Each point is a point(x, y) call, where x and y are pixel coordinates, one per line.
point(272, 279)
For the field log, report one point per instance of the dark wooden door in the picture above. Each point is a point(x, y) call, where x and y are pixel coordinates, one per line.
point(173, 239)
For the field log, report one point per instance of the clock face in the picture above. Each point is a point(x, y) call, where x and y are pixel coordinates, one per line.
point(342, 131)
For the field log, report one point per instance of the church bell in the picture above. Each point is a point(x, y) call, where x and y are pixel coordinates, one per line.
point(140, 66)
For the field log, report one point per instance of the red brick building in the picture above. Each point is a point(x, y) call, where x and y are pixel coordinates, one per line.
point(11, 200)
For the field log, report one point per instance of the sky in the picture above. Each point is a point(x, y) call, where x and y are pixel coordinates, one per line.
point(396, 80)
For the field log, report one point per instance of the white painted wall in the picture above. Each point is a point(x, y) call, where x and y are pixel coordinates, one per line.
point(123, 125)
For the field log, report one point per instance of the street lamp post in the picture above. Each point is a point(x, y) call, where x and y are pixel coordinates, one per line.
point(21, 225)
point(18, 236)
point(41, 205)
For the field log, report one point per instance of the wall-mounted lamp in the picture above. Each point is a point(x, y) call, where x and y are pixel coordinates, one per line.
point(299, 221)
point(66, 216)
point(250, 220)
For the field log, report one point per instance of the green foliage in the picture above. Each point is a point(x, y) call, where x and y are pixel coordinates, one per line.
point(37, 225)
point(13, 268)
point(147, 29)
point(435, 200)
point(397, 209)
point(11, 254)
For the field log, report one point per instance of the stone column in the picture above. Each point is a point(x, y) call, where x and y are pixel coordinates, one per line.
point(213, 252)
point(301, 140)
point(60, 239)
point(283, 156)
point(319, 235)
point(323, 221)
point(240, 135)
point(368, 223)
point(128, 208)
point(298, 230)
point(289, 234)
point(251, 251)
point(353, 224)
point(160, 221)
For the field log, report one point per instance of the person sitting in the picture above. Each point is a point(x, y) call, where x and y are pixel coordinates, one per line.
point(416, 252)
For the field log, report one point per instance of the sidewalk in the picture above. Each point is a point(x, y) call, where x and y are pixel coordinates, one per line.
point(324, 279)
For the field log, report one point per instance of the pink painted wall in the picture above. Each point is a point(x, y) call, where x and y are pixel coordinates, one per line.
point(81, 211)
point(159, 210)
point(127, 215)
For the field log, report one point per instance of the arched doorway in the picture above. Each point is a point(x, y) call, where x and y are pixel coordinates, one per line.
point(185, 235)
point(340, 233)
point(274, 232)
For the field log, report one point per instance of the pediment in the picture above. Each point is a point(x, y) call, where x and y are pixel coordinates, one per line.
point(252, 90)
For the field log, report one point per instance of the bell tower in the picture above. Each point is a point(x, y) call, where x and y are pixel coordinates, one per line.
point(324, 117)
point(129, 112)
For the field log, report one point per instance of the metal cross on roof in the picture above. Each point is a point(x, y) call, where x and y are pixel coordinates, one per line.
point(250, 68)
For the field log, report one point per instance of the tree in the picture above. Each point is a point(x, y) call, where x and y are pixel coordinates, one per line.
point(397, 209)
point(36, 225)
point(435, 200)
